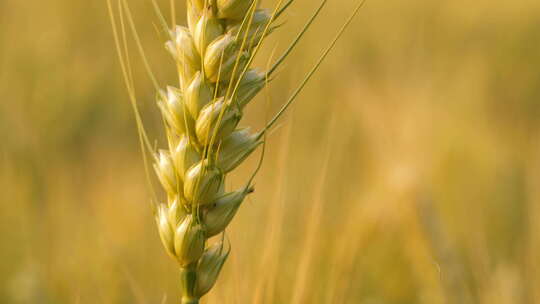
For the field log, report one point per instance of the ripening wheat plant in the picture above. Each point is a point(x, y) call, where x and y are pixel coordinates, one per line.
point(201, 113)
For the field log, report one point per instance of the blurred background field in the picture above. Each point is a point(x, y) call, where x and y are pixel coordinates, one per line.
point(407, 172)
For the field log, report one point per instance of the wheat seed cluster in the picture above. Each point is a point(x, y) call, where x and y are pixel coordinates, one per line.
point(201, 116)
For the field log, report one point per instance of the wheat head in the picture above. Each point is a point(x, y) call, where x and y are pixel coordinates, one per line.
point(212, 55)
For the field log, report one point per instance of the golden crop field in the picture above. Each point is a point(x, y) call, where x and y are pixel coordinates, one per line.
point(407, 170)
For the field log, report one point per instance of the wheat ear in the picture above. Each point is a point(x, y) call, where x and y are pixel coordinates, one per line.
point(201, 116)
point(213, 56)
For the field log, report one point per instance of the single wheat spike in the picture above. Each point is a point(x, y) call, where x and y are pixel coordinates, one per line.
point(215, 84)
point(213, 56)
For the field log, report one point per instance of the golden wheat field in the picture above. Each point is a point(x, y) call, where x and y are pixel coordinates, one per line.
point(407, 171)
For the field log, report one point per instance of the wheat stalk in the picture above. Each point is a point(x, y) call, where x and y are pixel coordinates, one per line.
point(213, 56)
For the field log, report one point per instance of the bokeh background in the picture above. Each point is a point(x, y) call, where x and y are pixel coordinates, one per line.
point(408, 171)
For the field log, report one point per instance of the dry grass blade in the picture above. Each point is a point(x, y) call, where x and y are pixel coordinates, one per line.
point(314, 223)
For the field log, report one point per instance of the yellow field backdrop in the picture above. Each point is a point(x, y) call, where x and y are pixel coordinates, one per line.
point(407, 172)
